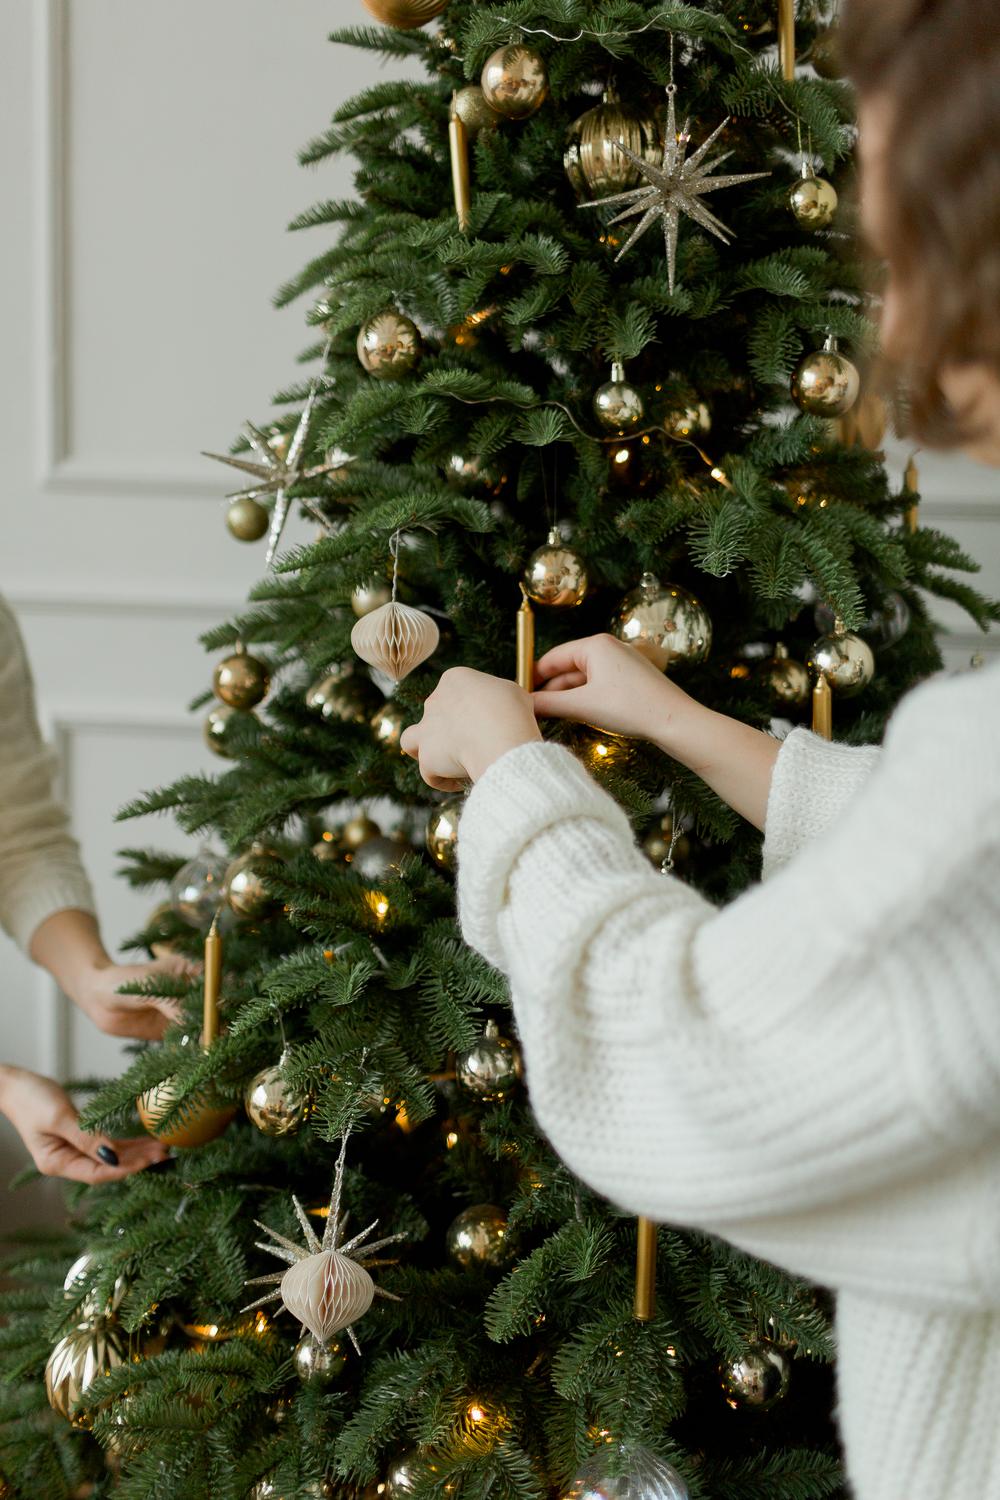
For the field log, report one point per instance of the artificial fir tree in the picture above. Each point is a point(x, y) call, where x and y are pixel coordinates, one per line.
point(501, 388)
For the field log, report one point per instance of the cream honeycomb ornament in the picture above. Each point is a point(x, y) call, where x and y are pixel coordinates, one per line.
point(326, 1285)
point(395, 638)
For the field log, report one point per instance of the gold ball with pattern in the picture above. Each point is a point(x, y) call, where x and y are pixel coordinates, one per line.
point(244, 887)
point(88, 1305)
point(478, 1237)
point(514, 81)
point(813, 201)
point(845, 660)
point(664, 622)
point(241, 680)
point(594, 164)
point(788, 679)
point(272, 1104)
point(319, 1364)
point(758, 1378)
point(472, 109)
point(404, 15)
point(824, 382)
point(246, 519)
point(618, 405)
point(217, 730)
point(442, 832)
point(491, 1068)
point(81, 1357)
point(388, 722)
point(389, 345)
point(555, 574)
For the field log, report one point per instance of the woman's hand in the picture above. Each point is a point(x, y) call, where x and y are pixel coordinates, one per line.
point(469, 721)
point(43, 1115)
point(606, 683)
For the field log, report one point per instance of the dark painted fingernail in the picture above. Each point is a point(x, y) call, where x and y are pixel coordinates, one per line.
point(108, 1156)
point(165, 1164)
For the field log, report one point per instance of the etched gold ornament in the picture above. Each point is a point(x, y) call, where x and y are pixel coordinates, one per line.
point(81, 1357)
point(555, 574)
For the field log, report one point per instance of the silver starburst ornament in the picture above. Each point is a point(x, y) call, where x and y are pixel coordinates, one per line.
point(326, 1286)
point(677, 187)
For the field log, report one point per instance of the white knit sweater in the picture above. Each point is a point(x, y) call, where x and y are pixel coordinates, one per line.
point(40, 870)
point(812, 1072)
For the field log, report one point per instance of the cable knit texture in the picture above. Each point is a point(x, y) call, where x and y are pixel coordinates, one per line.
point(40, 869)
point(812, 1072)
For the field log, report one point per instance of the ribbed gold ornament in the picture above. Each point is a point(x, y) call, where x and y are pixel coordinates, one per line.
point(83, 1356)
point(405, 15)
point(593, 162)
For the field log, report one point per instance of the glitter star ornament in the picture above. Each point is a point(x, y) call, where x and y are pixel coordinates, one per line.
point(677, 187)
point(326, 1286)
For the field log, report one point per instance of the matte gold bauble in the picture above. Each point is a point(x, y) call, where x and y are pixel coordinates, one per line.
point(824, 54)
point(388, 723)
point(664, 622)
point(327, 848)
point(247, 519)
point(358, 831)
point(758, 1378)
point(618, 405)
point(689, 421)
point(824, 383)
point(343, 698)
point(491, 1068)
point(470, 105)
point(245, 887)
point(555, 574)
point(813, 201)
point(318, 1364)
point(378, 857)
point(845, 660)
point(272, 1104)
point(478, 1237)
point(442, 832)
point(369, 596)
point(83, 1356)
point(200, 1120)
point(594, 164)
point(389, 345)
point(405, 15)
point(218, 728)
point(241, 681)
point(788, 680)
point(196, 889)
point(514, 81)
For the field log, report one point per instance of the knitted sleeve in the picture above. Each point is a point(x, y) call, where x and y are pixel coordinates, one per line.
point(787, 1070)
point(814, 781)
point(40, 869)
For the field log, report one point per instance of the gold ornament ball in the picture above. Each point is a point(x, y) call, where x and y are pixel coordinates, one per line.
point(689, 421)
point(244, 886)
point(378, 857)
point(318, 1364)
point(388, 723)
point(405, 15)
point(824, 383)
point(514, 81)
point(343, 698)
point(369, 596)
point(272, 1104)
point(241, 681)
point(656, 844)
point(478, 1237)
point(327, 848)
point(83, 1356)
point(593, 162)
point(845, 660)
point(200, 1121)
point(442, 832)
point(404, 1472)
point(357, 832)
point(389, 345)
point(491, 1068)
point(217, 729)
point(664, 622)
point(246, 519)
point(758, 1378)
point(788, 680)
point(618, 405)
point(472, 109)
point(824, 54)
point(555, 574)
point(813, 202)
point(315, 1489)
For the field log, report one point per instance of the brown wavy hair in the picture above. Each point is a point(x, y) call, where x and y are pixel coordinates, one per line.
point(936, 65)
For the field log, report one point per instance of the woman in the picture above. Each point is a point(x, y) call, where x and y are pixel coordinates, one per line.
point(813, 1072)
point(46, 907)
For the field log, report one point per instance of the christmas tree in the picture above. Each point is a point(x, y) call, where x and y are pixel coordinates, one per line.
point(543, 355)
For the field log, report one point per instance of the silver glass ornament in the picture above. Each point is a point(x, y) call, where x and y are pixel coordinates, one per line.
point(646, 1476)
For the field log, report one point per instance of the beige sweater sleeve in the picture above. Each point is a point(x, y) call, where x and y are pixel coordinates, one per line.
point(40, 869)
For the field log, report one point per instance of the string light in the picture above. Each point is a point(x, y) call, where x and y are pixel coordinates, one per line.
point(451, 1139)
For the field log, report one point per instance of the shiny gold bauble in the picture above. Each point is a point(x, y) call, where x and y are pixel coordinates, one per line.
point(358, 831)
point(405, 15)
point(241, 681)
point(378, 857)
point(824, 54)
point(813, 201)
point(442, 832)
point(200, 1120)
point(656, 844)
point(83, 1356)
point(491, 1068)
point(758, 1378)
point(389, 345)
point(318, 1364)
point(343, 698)
point(593, 162)
point(255, 1324)
point(369, 596)
point(403, 1474)
point(618, 405)
point(555, 574)
point(845, 660)
point(388, 723)
point(272, 1104)
point(689, 421)
point(196, 889)
point(478, 1237)
point(247, 520)
point(824, 383)
point(217, 729)
point(244, 886)
point(472, 109)
point(514, 81)
point(788, 680)
point(664, 622)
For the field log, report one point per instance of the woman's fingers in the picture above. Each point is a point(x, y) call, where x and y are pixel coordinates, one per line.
point(565, 680)
point(569, 656)
point(574, 703)
point(70, 1152)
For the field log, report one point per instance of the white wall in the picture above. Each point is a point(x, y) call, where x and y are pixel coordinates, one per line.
point(147, 161)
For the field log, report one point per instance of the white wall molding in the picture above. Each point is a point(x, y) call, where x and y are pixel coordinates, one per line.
point(48, 598)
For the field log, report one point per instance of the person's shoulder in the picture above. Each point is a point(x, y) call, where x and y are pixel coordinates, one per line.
point(951, 724)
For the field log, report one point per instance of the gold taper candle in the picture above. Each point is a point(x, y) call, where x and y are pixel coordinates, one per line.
point(213, 984)
point(823, 708)
point(786, 37)
point(525, 643)
point(644, 1306)
point(458, 141)
point(911, 483)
